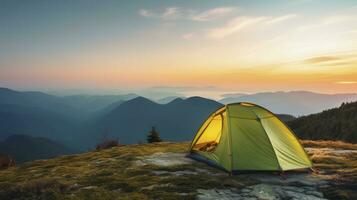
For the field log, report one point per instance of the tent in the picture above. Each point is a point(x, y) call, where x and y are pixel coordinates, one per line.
point(247, 137)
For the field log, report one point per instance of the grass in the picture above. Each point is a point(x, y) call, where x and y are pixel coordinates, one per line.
point(112, 174)
point(329, 144)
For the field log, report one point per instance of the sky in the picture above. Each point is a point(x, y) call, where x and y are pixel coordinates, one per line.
point(190, 47)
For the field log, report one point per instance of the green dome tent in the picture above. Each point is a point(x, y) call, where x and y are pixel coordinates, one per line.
point(247, 137)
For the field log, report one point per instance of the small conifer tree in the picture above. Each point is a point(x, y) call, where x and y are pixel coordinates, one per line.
point(153, 136)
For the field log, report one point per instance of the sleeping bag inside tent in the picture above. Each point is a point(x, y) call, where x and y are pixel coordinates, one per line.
point(248, 137)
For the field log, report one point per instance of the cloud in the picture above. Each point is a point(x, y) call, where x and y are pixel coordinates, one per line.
point(234, 26)
point(240, 23)
point(280, 19)
point(183, 88)
point(334, 19)
point(321, 59)
point(171, 13)
point(188, 36)
point(346, 82)
point(168, 13)
point(146, 13)
point(346, 17)
point(177, 13)
point(343, 62)
point(332, 60)
point(213, 14)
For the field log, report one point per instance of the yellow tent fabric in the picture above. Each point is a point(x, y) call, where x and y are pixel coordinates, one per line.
point(245, 136)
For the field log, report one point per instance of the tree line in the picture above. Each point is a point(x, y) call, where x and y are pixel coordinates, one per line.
point(333, 124)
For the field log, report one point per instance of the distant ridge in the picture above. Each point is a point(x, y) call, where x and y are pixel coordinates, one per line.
point(295, 103)
point(168, 99)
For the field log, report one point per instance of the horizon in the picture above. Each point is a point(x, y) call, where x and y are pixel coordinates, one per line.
point(154, 94)
point(176, 47)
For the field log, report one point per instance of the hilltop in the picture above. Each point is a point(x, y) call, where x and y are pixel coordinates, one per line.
point(161, 171)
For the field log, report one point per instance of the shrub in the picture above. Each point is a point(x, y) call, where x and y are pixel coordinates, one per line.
point(153, 136)
point(108, 144)
point(6, 161)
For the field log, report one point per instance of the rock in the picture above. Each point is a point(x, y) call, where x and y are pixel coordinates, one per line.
point(315, 193)
point(214, 194)
point(88, 187)
point(176, 173)
point(263, 191)
point(272, 192)
point(246, 190)
point(151, 187)
point(164, 159)
point(303, 179)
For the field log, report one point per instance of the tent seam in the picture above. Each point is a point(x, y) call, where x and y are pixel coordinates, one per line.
point(230, 138)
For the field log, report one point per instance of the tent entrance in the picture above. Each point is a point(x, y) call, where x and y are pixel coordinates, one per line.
point(211, 135)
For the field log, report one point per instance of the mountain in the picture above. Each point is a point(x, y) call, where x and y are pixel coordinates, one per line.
point(57, 118)
point(333, 124)
point(35, 121)
point(175, 121)
point(295, 103)
point(25, 148)
point(74, 106)
point(38, 100)
point(95, 103)
point(167, 99)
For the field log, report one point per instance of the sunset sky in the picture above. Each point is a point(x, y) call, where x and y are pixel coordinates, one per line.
point(193, 47)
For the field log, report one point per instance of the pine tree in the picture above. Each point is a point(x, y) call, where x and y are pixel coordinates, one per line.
point(153, 136)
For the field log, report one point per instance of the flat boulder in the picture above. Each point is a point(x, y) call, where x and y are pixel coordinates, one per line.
point(164, 159)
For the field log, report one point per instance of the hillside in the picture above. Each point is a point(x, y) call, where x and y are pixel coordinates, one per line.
point(35, 121)
point(333, 124)
point(295, 103)
point(25, 148)
point(161, 171)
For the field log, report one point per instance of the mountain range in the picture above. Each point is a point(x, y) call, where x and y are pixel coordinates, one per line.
point(82, 121)
point(295, 103)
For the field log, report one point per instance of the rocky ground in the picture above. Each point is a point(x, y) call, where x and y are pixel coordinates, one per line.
point(162, 171)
